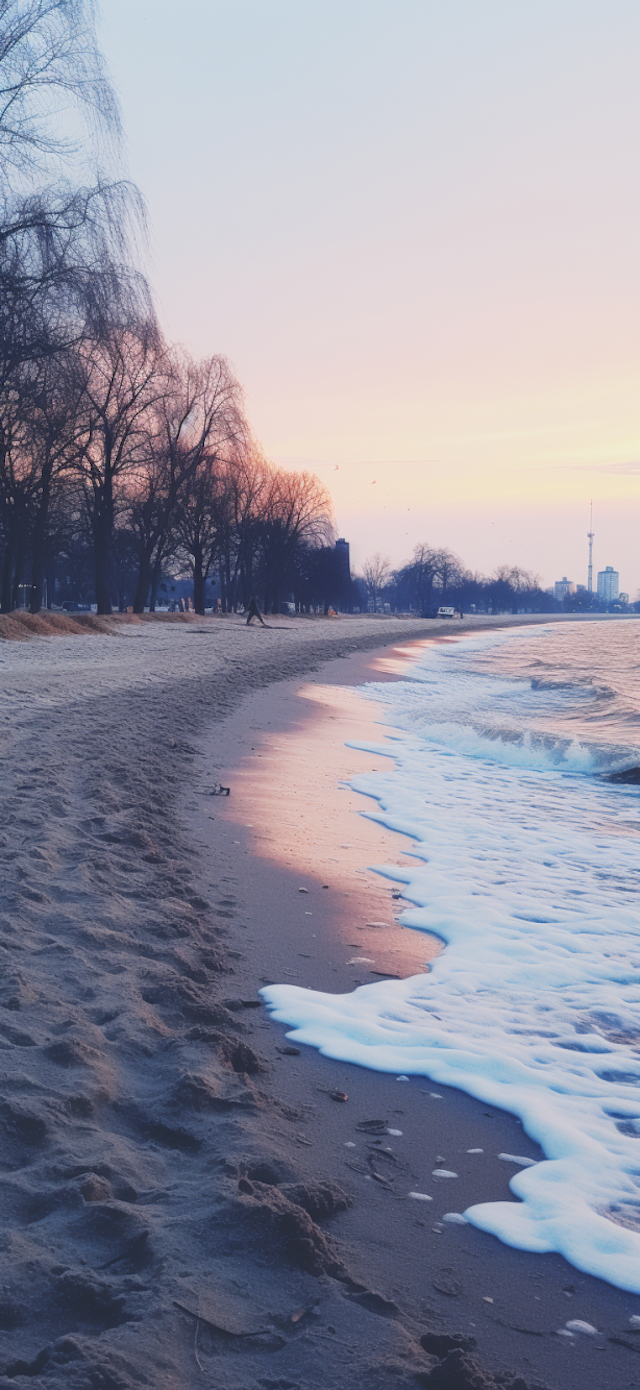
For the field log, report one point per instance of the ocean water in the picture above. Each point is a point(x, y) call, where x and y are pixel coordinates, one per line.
point(527, 867)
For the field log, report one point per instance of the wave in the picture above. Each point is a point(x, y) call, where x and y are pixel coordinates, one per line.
point(520, 751)
point(529, 874)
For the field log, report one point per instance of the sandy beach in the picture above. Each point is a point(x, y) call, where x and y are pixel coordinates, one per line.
point(185, 1203)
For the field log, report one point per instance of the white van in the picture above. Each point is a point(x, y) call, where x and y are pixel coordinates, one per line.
point(446, 613)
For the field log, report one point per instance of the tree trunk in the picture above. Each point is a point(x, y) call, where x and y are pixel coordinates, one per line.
point(155, 584)
point(198, 587)
point(102, 562)
point(39, 543)
point(199, 579)
point(7, 574)
point(144, 584)
point(102, 537)
point(224, 588)
point(18, 575)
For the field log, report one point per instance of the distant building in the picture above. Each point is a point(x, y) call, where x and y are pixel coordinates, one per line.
point(562, 587)
point(608, 584)
point(342, 556)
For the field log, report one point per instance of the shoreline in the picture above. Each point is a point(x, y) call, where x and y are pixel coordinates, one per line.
point(20, 626)
point(522, 1300)
point(168, 1174)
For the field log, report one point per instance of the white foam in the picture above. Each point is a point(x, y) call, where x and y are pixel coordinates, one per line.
point(529, 874)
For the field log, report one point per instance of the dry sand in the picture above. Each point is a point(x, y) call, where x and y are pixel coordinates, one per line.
point(174, 1186)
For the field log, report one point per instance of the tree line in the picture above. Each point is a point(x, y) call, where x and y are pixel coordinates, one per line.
point(435, 577)
point(120, 456)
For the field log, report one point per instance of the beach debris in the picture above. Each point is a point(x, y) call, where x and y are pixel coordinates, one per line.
point(389, 975)
point(397, 1133)
point(379, 1177)
point(449, 1287)
point(372, 1126)
point(455, 1218)
point(361, 960)
point(435, 1095)
point(303, 890)
point(376, 924)
point(586, 1328)
point(325, 885)
point(219, 790)
point(563, 1332)
point(336, 1094)
point(475, 1151)
point(221, 1327)
point(301, 1140)
point(350, 1144)
point(301, 1313)
point(514, 1158)
point(486, 1299)
point(379, 1152)
point(289, 1051)
point(401, 1078)
point(634, 1321)
point(623, 1341)
point(373, 1302)
point(420, 1196)
point(443, 1173)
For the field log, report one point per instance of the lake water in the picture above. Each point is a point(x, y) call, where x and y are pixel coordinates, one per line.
point(527, 867)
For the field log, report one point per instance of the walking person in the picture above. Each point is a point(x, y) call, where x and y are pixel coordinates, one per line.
point(254, 612)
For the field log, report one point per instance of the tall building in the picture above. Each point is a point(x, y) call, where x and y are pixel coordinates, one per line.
point(342, 554)
point(608, 584)
point(562, 587)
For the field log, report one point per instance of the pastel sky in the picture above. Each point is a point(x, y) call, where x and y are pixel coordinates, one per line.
point(413, 227)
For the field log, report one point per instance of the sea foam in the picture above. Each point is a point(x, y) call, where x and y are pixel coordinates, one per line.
point(528, 871)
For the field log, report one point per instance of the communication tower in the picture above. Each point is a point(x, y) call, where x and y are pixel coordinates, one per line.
point(590, 540)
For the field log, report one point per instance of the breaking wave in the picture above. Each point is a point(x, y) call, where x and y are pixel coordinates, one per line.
point(527, 869)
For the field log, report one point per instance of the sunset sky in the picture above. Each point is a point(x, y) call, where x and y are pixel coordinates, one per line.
point(413, 227)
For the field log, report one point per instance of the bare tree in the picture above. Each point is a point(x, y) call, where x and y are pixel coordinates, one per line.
point(52, 440)
point(197, 416)
point(51, 71)
point(202, 520)
point(297, 512)
point(121, 380)
point(376, 571)
point(248, 487)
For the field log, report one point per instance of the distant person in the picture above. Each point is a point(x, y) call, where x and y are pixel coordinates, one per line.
point(254, 612)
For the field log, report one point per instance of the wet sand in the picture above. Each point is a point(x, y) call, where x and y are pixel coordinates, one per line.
point(174, 1185)
point(291, 823)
